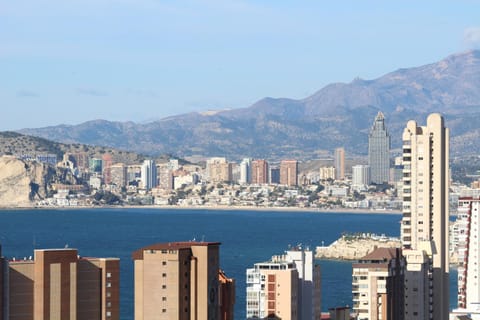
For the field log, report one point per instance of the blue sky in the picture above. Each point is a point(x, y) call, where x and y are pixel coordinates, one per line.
point(66, 62)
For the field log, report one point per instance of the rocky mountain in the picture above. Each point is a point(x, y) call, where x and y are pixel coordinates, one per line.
point(339, 114)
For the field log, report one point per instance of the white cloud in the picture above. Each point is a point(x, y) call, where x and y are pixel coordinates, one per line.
point(471, 37)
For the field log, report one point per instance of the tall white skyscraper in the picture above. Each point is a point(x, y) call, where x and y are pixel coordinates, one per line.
point(149, 174)
point(245, 171)
point(379, 151)
point(424, 229)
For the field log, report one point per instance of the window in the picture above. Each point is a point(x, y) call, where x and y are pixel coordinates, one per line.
point(164, 275)
point(109, 313)
point(164, 286)
point(109, 284)
point(109, 274)
point(164, 263)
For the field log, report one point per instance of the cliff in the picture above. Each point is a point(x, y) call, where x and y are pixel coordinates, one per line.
point(22, 182)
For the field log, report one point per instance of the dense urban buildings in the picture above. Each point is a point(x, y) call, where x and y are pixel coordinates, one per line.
point(286, 287)
point(58, 284)
point(219, 170)
point(181, 280)
point(339, 163)
point(424, 229)
point(379, 151)
point(377, 285)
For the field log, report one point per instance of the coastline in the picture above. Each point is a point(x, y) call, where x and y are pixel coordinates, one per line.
point(219, 207)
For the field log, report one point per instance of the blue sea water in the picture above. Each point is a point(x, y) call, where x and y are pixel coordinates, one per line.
point(247, 237)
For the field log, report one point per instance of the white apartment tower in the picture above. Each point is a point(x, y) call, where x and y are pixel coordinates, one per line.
point(469, 249)
point(360, 177)
point(424, 229)
point(287, 286)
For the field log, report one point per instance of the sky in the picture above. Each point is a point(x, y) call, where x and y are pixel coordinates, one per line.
point(67, 62)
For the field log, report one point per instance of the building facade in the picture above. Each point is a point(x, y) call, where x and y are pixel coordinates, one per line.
point(245, 171)
point(469, 258)
point(149, 174)
point(180, 280)
point(58, 284)
point(219, 170)
point(287, 287)
point(339, 163)
point(377, 282)
point(424, 228)
point(260, 171)
point(289, 172)
point(360, 177)
point(379, 151)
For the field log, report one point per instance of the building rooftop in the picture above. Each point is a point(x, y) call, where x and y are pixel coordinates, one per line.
point(138, 254)
point(381, 255)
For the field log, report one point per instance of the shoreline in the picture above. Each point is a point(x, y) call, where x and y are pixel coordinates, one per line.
point(214, 208)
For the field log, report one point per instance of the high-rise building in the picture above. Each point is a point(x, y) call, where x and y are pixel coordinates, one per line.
point(58, 284)
point(469, 258)
point(339, 163)
point(379, 151)
point(181, 280)
point(289, 172)
point(286, 287)
point(245, 171)
point(377, 282)
point(219, 170)
point(360, 177)
point(424, 228)
point(118, 173)
point(273, 174)
point(326, 173)
point(106, 168)
point(149, 174)
point(260, 171)
point(95, 165)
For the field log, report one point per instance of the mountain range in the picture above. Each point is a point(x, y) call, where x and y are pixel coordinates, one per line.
point(340, 114)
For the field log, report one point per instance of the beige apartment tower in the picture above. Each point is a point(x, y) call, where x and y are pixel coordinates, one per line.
point(339, 163)
point(424, 229)
point(179, 280)
point(289, 172)
point(259, 171)
point(57, 284)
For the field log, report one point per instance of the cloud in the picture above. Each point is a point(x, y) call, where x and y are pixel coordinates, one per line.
point(27, 94)
point(91, 92)
point(471, 37)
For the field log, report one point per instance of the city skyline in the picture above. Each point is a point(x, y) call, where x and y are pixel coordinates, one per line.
point(199, 56)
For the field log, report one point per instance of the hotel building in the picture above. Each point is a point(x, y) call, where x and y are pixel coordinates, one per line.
point(287, 287)
point(181, 280)
point(424, 229)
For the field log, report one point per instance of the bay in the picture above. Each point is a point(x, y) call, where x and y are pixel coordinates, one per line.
point(247, 237)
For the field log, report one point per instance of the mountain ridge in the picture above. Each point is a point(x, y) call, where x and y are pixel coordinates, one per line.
point(339, 114)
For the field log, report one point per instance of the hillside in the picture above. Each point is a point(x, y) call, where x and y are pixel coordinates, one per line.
point(339, 114)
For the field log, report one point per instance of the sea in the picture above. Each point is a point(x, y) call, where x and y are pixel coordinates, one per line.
point(246, 237)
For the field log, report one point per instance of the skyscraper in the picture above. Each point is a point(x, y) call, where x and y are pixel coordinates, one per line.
point(259, 171)
point(339, 163)
point(181, 280)
point(424, 229)
point(379, 151)
point(289, 172)
point(149, 174)
point(246, 171)
point(360, 177)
